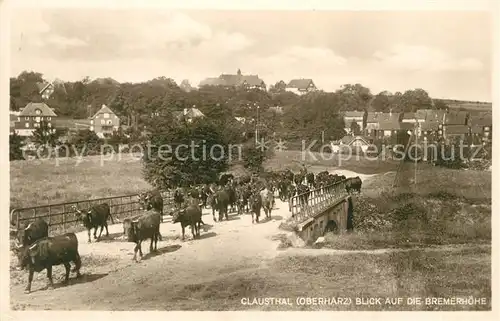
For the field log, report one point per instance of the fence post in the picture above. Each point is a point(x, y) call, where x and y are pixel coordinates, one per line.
point(64, 218)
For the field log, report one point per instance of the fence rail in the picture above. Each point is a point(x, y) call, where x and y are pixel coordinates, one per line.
point(63, 217)
point(310, 203)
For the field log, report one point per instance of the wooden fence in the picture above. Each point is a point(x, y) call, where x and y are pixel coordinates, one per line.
point(62, 217)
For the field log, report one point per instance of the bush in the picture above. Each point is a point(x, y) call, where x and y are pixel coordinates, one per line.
point(15, 144)
point(253, 158)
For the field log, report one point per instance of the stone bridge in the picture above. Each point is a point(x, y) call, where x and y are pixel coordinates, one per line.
point(325, 209)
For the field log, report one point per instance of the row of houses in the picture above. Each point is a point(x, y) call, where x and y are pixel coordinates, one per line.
point(428, 124)
point(297, 86)
point(104, 122)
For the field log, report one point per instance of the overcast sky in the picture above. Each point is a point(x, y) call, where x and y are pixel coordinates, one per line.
point(446, 53)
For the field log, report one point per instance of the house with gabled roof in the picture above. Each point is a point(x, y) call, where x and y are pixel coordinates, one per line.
point(188, 114)
point(45, 89)
point(30, 117)
point(237, 80)
point(301, 86)
point(104, 122)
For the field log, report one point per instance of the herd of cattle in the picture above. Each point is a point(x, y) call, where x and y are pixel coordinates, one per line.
point(37, 251)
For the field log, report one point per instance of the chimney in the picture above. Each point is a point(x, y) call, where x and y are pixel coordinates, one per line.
point(185, 111)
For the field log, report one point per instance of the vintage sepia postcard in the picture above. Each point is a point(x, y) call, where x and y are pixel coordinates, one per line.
point(266, 157)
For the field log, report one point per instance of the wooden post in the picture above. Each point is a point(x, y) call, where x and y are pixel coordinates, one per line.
point(50, 215)
point(64, 218)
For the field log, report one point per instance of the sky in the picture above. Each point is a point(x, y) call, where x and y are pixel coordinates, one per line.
point(447, 53)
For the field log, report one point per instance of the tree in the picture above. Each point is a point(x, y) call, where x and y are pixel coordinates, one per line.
point(381, 102)
point(85, 142)
point(24, 89)
point(185, 154)
point(355, 129)
point(45, 135)
point(253, 158)
point(15, 144)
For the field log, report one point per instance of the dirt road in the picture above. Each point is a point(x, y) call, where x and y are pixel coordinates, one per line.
point(112, 280)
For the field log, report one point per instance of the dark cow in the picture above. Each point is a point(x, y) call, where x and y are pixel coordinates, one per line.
point(310, 179)
point(190, 216)
point(204, 191)
point(288, 175)
point(231, 192)
point(243, 180)
point(225, 178)
point(152, 200)
point(353, 184)
point(178, 197)
point(33, 232)
point(243, 195)
point(146, 226)
point(255, 206)
point(96, 216)
point(303, 191)
point(267, 201)
point(220, 203)
point(48, 252)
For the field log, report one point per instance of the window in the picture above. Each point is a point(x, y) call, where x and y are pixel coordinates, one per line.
point(49, 118)
point(37, 119)
point(38, 111)
point(37, 125)
point(106, 115)
point(92, 122)
point(27, 125)
point(102, 121)
point(18, 118)
point(26, 118)
point(109, 122)
point(49, 124)
point(91, 128)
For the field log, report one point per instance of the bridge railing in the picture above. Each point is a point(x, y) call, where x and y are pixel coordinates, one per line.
point(317, 200)
point(62, 217)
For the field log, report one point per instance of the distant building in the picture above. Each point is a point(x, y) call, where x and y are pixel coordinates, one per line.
point(31, 116)
point(45, 89)
point(188, 114)
point(238, 80)
point(186, 86)
point(276, 109)
point(301, 86)
point(353, 116)
point(104, 122)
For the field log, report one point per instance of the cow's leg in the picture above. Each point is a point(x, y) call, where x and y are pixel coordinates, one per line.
point(50, 285)
point(100, 233)
point(95, 232)
point(30, 279)
point(183, 230)
point(151, 245)
point(193, 230)
point(157, 236)
point(88, 232)
point(253, 220)
point(67, 266)
point(78, 265)
point(106, 226)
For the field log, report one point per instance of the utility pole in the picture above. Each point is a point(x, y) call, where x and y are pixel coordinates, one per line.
point(322, 137)
point(257, 126)
point(416, 146)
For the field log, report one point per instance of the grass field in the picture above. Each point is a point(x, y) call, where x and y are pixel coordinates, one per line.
point(416, 273)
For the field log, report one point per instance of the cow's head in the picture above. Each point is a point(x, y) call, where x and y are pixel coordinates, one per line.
point(82, 216)
point(23, 254)
point(177, 215)
point(144, 201)
point(129, 229)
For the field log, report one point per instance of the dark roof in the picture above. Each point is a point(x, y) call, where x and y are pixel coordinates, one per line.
point(104, 109)
point(300, 83)
point(30, 109)
point(233, 80)
point(353, 114)
point(481, 120)
point(429, 125)
point(456, 129)
point(375, 117)
point(407, 126)
point(389, 125)
point(431, 114)
point(476, 129)
point(409, 116)
point(456, 118)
